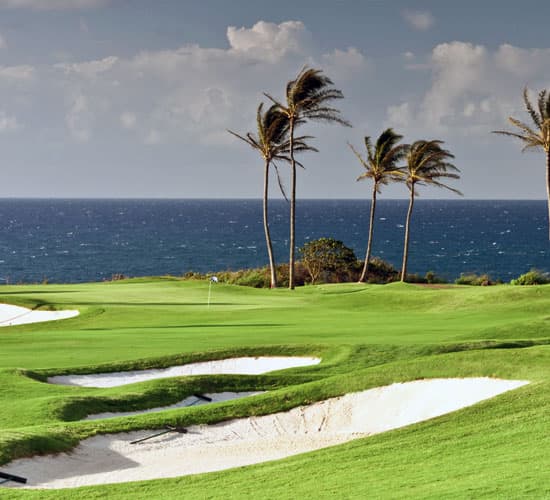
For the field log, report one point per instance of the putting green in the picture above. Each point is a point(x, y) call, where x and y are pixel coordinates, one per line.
point(367, 336)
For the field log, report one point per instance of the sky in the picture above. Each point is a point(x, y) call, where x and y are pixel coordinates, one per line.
point(133, 98)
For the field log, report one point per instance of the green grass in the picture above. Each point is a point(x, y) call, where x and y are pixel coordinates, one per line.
point(367, 336)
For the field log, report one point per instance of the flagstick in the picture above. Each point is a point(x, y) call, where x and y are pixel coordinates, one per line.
point(209, 290)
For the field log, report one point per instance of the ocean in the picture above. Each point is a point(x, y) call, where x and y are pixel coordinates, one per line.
point(71, 241)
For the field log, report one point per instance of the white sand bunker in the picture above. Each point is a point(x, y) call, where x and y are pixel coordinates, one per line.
point(16, 315)
point(112, 459)
point(200, 399)
point(233, 366)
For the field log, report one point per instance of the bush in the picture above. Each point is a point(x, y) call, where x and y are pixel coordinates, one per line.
point(380, 271)
point(474, 280)
point(533, 277)
point(328, 260)
point(429, 278)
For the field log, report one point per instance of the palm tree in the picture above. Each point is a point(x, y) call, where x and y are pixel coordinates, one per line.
point(427, 164)
point(273, 144)
point(380, 166)
point(537, 137)
point(307, 98)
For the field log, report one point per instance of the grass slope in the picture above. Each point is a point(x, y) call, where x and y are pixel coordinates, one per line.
point(367, 336)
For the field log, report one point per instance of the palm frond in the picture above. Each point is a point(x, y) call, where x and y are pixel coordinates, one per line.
point(358, 155)
point(245, 139)
point(544, 104)
point(382, 158)
point(427, 163)
point(537, 119)
point(307, 94)
point(280, 181)
point(523, 126)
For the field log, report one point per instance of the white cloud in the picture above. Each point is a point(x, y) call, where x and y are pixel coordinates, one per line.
point(78, 119)
point(419, 20)
point(128, 119)
point(473, 89)
point(153, 137)
point(8, 123)
point(399, 116)
point(190, 94)
point(269, 40)
point(409, 56)
point(88, 69)
point(344, 63)
point(17, 73)
point(521, 62)
point(194, 92)
point(469, 109)
point(52, 4)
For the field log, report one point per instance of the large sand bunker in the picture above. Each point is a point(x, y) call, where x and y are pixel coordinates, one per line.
point(112, 459)
point(233, 366)
point(15, 315)
point(198, 400)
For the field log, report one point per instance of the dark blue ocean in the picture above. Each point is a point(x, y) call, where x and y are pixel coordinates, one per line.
point(90, 240)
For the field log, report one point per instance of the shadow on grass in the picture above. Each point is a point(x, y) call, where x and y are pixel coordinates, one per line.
point(249, 325)
point(174, 304)
point(26, 292)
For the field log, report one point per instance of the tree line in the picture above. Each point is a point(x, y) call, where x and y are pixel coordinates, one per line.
point(309, 97)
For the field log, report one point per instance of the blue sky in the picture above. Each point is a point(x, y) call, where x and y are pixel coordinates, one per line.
point(130, 98)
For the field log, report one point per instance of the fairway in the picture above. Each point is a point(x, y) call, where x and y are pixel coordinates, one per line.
point(367, 336)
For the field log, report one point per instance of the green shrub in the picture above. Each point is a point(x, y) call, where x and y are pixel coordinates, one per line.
point(429, 278)
point(257, 278)
point(328, 260)
point(474, 280)
point(533, 277)
point(380, 271)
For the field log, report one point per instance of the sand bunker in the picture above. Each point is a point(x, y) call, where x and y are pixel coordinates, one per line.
point(112, 459)
point(216, 397)
point(16, 315)
point(233, 366)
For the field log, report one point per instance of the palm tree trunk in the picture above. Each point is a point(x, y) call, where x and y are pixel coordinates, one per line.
point(266, 228)
point(292, 208)
point(371, 230)
point(548, 187)
point(407, 225)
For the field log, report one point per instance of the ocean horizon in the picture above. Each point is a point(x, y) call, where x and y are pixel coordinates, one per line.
point(72, 240)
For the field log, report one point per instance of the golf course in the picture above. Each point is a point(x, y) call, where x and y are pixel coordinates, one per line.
point(366, 337)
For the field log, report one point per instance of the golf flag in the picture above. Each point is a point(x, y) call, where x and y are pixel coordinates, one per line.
point(214, 279)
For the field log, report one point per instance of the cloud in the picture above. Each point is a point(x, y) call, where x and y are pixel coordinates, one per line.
point(473, 89)
point(128, 120)
point(8, 122)
point(399, 115)
point(191, 92)
point(344, 63)
point(52, 4)
point(3, 43)
point(17, 73)
point(88, 69)
point(419, 20)
point(153, 137)
point(185, 95)
point(79, 118)
point(269, 40)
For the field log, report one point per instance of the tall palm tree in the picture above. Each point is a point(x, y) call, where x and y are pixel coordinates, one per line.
point(427, 164)
point(273, 143)
point(380, 166)
point(307, 98)
point(537, 137)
